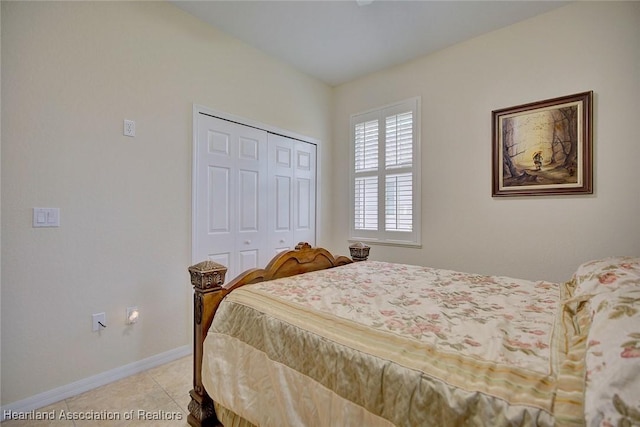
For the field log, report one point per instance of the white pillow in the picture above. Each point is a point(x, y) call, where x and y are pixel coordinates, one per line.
point(605, 275)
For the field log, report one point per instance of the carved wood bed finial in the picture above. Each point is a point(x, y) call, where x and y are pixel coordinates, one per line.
point(207, 274)
point(302, 245)
point(359, 251)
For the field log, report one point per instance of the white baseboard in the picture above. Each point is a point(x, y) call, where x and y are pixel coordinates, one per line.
point(60, 393)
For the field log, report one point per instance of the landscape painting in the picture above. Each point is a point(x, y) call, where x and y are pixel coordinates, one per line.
point(543, 148)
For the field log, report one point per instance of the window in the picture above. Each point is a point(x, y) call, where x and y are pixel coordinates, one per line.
point(385, 175)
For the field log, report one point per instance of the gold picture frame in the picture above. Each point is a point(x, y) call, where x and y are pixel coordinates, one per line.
point(544, 148)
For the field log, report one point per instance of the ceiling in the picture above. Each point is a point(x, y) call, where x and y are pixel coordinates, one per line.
point(337, 41)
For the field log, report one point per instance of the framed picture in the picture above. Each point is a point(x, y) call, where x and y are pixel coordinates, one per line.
point(544, 148)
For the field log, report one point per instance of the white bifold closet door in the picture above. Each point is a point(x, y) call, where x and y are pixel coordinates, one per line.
point(254, 195)
point(292, 196)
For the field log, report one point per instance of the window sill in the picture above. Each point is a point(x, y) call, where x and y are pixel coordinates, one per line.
point(386, 243)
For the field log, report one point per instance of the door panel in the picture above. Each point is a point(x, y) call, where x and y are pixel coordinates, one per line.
point(292, 192)
point(218, 142)
point(282, 203)
point(218, 196)
point(230, 179)
point(248, 201)
point(304, 201)
point(248, 259)
point(280, 207)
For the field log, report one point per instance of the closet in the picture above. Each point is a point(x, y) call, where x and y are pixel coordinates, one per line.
point(254, 193)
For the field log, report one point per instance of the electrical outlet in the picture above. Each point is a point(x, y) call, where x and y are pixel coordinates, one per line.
point(129, 128)
point(99, 321)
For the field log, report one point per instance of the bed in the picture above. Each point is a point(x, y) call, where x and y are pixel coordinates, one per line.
point(318, 340)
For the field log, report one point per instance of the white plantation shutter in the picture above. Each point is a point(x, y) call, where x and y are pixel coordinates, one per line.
point(399, 140)
point(385, 199)
point(398, 211)
point(366, 203)
point(366, 146)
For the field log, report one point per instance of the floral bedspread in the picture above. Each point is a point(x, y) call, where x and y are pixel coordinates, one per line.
point(382, 344)
point(500, 319)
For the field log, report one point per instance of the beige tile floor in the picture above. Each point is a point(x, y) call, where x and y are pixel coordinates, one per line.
point(161, 392)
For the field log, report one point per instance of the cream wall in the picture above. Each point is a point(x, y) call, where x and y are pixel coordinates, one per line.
point(71, 72)
point(580, 47)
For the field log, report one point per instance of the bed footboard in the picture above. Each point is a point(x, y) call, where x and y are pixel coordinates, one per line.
point(207, 279)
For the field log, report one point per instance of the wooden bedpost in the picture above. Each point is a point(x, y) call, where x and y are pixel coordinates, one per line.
point(207, 278)
point(359, 251)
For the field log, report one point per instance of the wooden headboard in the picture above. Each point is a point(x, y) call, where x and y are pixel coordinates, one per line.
point(208, 278)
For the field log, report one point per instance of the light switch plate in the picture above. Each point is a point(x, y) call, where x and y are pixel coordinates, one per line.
point(46, 217)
